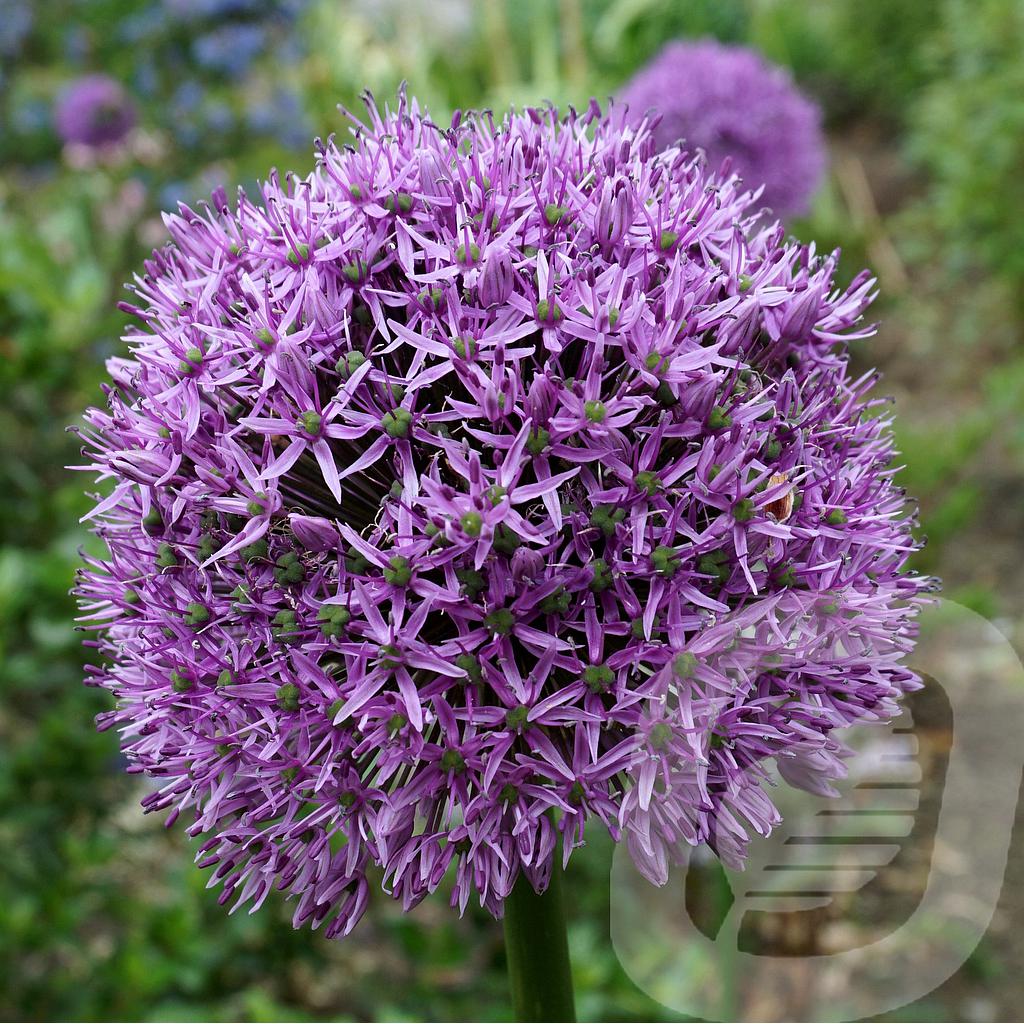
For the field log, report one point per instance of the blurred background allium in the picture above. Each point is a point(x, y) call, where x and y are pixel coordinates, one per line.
point(94, 111)
point(102, 914)
point(731, 103)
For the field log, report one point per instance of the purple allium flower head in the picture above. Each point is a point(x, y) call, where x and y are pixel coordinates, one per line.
point(730, 102)
point(489, 481)
point(94, 110)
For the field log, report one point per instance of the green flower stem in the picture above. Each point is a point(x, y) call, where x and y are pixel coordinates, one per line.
point(538, 951)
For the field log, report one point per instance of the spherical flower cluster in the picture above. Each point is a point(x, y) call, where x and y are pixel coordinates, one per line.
point(94, 111)
point(728, 101)
point(490, 481)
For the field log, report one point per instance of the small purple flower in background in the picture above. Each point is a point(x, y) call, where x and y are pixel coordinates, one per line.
point(730, 102)
point(94, 111)
point(490, 483)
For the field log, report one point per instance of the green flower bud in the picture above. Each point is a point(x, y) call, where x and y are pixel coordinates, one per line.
point(719, 419)
point(684, 665)
point(289, 569)
point(287, 697)
point(500, 621)
point(665, 560)
point(193, 360)
point(548, 312)
point(196, 614)
point(453, 761)
point(557, 603)
point(784, 575)
point(389, 657)
point(181, 682)
point(506, 541)
point(153, 521)
point(258, 549)
point(431, 297)
point(400, 202)
point(606, 518)
point(515, 719)
point(398, 573)
point(660, 735)
point(553, 213)
point(165, 556)
point(333, 619)
point(353, 272)
point(256, 506)
point(471, 523)
point(665, 396)
point(465, 347)
point(715, 563)
point(285, 626)
point(743, 511)
point(636, 627)
point(396, 424)
point(474, 253)
point(602, 575)
point(598, 678)
point(473, 582)
point(538, 440)
point(349, 363)
point(470, 664)
point(310, 422)
point(648, 481)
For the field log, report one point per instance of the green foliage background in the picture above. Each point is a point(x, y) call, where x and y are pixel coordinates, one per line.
point(102, 914)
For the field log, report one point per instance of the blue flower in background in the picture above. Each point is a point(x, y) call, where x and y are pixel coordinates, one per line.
point(144, 25)
point(15, 25)
point(190, 50)
point(230, 49)
point(212, 9)
point(281, 117)
point(219, 117)
point(30, 116)
point(187, 98)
